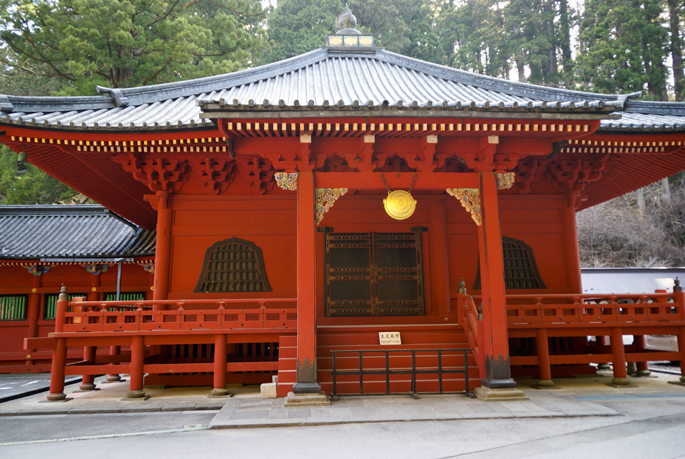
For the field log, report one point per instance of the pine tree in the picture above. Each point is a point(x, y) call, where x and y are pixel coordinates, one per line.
point(124, 43)
point(622, 47)
point(676, 9)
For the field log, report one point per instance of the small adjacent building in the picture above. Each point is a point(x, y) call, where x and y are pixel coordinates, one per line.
point(306, 206)
point(82, 246)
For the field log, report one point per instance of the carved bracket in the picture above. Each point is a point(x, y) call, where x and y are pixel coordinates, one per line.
point(215, 174)
point(157, 174)
point(483, 160)
point(470, 199)
point(571, 176)
point(505, 180)
point(325, 198)
point(530, 171)
point(258, 173)
point(97, 269)
point(149, 267)
point(287, 180)
point(37, 270)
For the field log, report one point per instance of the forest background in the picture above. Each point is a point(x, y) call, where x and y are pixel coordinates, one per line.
point(67, 47)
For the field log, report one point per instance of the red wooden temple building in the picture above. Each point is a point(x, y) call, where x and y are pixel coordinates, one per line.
point(306, 206)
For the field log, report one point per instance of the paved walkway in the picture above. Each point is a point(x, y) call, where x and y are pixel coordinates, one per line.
point(582, 396)
point(14, 386)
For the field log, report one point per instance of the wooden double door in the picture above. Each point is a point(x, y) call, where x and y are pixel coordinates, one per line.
point(374, 274)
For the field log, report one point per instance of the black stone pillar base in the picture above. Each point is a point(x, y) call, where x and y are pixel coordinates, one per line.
point(306, 378)
point(498, 373)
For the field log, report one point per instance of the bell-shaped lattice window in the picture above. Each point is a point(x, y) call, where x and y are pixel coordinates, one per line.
point(233, 265)
point(520, 270)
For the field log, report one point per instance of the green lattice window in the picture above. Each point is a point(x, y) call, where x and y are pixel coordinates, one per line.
point(125, 296)
point(13, 307)
point(50, 304)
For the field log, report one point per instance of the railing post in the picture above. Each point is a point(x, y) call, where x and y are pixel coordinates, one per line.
point(440, 371)
point(466, 372)
point(262, 311)
point(544, 367)
point(387, 373)
point(681, 348)
point(361, 374)
point(413, 374)
point(334, 376)
point(619, 355)
point(219, 367)
point(61, 309)
point(221, 315)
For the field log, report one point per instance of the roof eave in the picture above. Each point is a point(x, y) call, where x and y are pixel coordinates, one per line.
point(321, 112)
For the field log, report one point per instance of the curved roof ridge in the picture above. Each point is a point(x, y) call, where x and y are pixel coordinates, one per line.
point(140, 95)
point(655, 107)
point(493, 83)
point(117, 97)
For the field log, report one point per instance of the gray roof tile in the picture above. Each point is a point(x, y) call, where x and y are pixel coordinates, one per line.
point(380, 80)
point(74, 231)
point(330, 80)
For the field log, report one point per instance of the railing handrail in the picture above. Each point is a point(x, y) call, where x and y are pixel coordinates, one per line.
point(216, 301)
point(468, 349)
point(590, 295)
point(413, 372)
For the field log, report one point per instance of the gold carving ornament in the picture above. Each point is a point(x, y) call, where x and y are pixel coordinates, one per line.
point(505, 180)
point(470, 199)
point(287, 180)
point(325, 198)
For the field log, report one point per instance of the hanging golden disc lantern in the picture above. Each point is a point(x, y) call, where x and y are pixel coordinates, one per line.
point(399, 204)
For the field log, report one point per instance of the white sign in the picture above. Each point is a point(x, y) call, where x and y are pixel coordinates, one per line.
point(387, 338)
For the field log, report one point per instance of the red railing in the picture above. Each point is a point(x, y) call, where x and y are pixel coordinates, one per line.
point(563, 309)
point(472, 322)
point(214, 314)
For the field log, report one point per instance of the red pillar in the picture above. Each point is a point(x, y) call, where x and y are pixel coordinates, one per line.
point(163, 246)
point(544, 367)
point(59, 362)
point(219, 366)
point(33, 312)
point(59, 355)
point(439, 253)
point(137, 370)
point(570, 235)
point(306, 286)
point(681, 348)
point(89, 352)
point(640, 342)
point(619, 355)
point(114, 351)
point(88, 381)
point(495, 340)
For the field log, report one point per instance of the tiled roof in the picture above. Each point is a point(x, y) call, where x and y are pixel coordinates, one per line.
point(70, 232)
point(649, 116)
point(324, 81)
